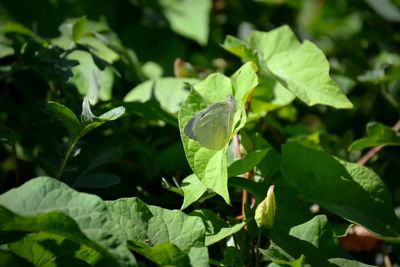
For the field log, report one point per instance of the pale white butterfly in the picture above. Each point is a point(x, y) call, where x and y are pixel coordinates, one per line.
point(212, 126)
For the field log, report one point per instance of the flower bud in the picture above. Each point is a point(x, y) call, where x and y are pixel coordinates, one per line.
point(265, 211)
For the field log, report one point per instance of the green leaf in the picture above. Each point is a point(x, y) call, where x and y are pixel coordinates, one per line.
point(274, 255)
point(210, 166)
point(261, 46)
point(246, 164)
point(112, 114)
point(386, 9)
point(152, 70)
point(47, 205)
point(78, 28)
point(14, 27)
point(254, 188)
point(348, 263)
point(378, 134)
point(44, 249)
point(149, 226)
point(189, 18)
point(89, 36)
point(91, 121)
point(10, 259)
point(312, 243)
point(99, 49)
point(322, 179)
point(216, 228)
point(6, 50)
point(239, 48)
point(314, 239)
point(269, 95)
point(153, 225)
point(164, 254)
point(199, 257)
point(89, 79)
point(192, 189)
point(67, 118)
point(301, 69)
point(269, 44)
point(169, 92)
point(305, 72)
point(231, 258)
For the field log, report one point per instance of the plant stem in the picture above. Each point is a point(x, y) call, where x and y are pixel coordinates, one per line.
point(239, 156)
point(373, 151)
point(15, 158)
point(70, 148)
point(257, 264)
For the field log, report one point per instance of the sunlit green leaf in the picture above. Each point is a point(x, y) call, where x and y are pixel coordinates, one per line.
point(89, 79)
point(189, 18)
point(305, 72)
point(210, 166)
point(193, 189)
point(47, 205)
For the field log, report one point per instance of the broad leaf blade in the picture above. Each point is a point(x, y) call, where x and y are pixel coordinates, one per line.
point(192, 189)
point(323, 179)
point(151, 226)
point(154, 225)
point(273, 42)
point(43, 249)
point(305, 72)
point(54, 207)
point(189, 18)
point(210, 166)
point(313, 239)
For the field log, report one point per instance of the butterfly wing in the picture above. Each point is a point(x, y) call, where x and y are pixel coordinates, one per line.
point(212, 126)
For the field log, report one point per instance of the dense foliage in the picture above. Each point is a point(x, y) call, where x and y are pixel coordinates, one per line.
point(97, 167)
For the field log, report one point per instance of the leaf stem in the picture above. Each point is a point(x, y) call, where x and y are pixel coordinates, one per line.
point(375, 150)
point(70, 148)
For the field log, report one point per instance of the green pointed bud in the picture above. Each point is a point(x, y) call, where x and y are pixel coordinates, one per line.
point(265, 211)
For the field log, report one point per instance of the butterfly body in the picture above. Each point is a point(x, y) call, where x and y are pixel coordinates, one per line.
point(212, 126)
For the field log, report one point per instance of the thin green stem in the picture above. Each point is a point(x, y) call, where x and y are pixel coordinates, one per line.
point(257, 264)
point(70, 148)
point(15, 158)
